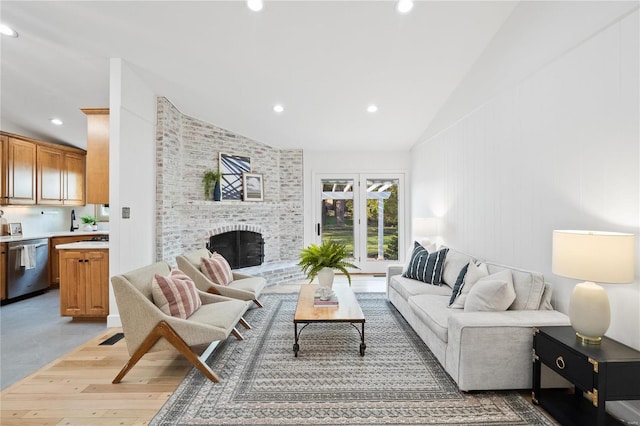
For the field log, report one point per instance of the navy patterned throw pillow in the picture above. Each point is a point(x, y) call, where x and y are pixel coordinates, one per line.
point(425, 266)
point(458, 284)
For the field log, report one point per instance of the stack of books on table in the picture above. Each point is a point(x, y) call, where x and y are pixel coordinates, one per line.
point(317, 302)
point(324, 296)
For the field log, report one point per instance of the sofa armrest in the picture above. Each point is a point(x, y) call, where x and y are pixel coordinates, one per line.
point(492, 350)
point(393, 270)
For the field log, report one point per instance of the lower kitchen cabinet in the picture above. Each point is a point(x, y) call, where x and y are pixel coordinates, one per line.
point(54, 266)
point(84, 283)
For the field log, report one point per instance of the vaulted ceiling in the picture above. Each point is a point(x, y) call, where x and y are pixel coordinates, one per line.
point(324, 61)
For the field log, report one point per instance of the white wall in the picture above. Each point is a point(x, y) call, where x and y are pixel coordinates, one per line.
point(558, 149)
point(132, 174)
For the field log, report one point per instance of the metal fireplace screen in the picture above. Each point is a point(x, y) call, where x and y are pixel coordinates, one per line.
point(240, 248)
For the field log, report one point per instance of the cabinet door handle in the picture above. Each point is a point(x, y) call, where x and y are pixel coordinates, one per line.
point(560, 362)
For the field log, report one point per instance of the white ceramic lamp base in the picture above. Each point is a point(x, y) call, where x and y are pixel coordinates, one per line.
point(589, 312)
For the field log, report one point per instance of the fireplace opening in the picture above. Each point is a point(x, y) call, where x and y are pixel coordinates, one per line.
point(240, 248)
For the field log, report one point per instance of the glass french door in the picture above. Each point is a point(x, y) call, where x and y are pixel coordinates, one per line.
point(364, 212)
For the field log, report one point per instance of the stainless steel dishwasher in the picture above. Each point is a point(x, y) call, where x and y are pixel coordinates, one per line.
point(20, 280)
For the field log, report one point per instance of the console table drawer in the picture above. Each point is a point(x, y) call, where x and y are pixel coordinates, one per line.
point(567, 363)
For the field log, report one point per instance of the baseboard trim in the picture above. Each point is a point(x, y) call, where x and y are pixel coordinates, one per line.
point(113, 321)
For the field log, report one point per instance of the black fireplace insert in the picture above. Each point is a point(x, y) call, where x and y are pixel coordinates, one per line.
point(240, 248)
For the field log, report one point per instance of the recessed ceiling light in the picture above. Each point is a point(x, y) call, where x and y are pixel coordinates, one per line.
point(8, 31)
point(56, 121)
point(278, 108)
point(372, 108)
point(255, 5)
point(404, 6)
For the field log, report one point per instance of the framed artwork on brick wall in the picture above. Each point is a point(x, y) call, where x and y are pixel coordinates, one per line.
point(232, 167)
point(253, 186)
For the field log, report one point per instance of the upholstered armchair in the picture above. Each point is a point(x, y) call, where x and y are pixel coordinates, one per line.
point(148, 329)
point(243, 287)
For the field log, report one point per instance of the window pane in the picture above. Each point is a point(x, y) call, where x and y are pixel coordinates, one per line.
point(337, 211)
point(382, 219)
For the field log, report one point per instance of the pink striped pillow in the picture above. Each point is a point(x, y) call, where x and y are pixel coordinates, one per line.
point(175, 295)
point(217, 269)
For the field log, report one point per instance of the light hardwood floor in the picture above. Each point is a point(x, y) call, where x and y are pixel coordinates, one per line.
point(76, 389)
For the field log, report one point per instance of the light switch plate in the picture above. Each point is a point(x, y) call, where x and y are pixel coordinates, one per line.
point(126, 212)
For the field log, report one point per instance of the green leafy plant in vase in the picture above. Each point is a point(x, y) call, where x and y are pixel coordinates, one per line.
point(211, 180)
point(322, 260)
point(88, 222)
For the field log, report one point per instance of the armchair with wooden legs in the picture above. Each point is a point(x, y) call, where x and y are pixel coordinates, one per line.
point(147, 329)
point(243, 287)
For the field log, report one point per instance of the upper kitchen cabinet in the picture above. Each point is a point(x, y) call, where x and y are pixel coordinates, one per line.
point(20, 172)
point(97, 155)
point(36, 172)
point(61, 176)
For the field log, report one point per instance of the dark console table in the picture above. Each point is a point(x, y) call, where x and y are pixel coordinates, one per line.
point(609, 371)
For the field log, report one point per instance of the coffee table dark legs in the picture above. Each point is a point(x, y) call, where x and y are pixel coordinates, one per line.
point(296, 336)
point(363, 345)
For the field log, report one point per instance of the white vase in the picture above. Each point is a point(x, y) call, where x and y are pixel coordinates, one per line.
point(87, 227)
point(325, 277)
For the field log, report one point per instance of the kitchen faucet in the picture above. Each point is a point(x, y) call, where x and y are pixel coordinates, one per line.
point(74, 226)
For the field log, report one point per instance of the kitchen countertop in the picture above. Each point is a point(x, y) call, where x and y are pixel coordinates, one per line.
point(9, 239)
point(84, 245)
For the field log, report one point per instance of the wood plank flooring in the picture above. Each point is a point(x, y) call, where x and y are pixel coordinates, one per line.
point(76, 389)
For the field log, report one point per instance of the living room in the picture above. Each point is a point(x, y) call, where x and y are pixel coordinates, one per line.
point(541, 132)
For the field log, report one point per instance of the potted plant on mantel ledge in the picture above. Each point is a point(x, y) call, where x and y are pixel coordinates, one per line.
point(211, 180)
point(321, 261)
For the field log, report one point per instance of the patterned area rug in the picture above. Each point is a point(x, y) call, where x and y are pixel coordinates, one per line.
point(398, 381)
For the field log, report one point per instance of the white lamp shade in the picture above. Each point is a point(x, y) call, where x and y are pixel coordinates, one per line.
point(604, 257)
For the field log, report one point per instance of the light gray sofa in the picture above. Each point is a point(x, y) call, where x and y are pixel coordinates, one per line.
point(479, 350)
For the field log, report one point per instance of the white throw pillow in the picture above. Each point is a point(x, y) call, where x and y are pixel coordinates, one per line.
point(474, 273)
point(492, 293)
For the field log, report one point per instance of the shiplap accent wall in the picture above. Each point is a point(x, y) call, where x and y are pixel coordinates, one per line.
point(558, 150)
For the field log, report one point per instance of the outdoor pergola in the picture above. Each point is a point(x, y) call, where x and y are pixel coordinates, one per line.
point(377, 191)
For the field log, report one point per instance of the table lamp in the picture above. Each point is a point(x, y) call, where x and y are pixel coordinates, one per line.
point(606, 257)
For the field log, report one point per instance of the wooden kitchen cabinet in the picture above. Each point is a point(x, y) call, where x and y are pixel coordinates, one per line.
point(3, 271)
point(84, 283)
point(74, 179)
point(97, 155)
point(61, 177)
point(54, 259)
point(38, 172)
point(20, 172)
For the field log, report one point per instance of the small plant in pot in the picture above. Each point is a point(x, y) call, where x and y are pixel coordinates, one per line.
point(321, 261)
point(88, 222)
point(211, 180)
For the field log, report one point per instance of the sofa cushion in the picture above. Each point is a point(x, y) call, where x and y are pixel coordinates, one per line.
point(217, 269)
point(458, 284)
point(432, 310)
point(176, 294)
point(408, 287)
point(424, 266)
point(474, 273)
point(528, 285)
point(492, 293)
point(453, 263)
